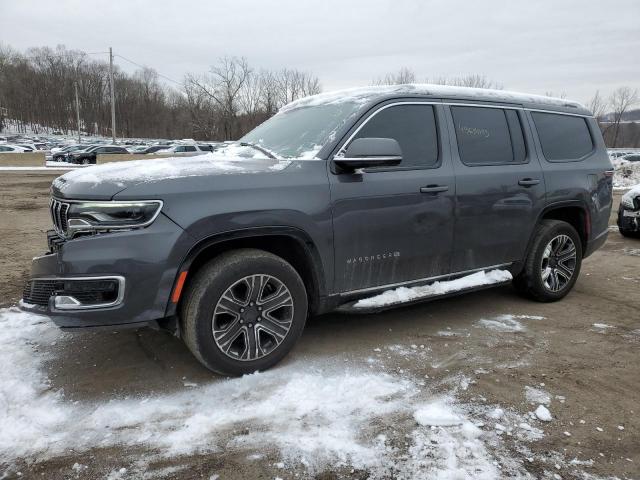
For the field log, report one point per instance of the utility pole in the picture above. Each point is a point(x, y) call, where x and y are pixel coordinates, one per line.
point(113, 96)
point(77, 111)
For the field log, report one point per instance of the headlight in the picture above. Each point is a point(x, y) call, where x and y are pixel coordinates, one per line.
point(627, 202)
point(627, 199)
point(101, 216)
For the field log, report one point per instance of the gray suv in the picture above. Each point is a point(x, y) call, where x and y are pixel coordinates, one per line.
point(338, 197)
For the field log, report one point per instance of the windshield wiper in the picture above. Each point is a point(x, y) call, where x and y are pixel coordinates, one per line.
point(259, 148)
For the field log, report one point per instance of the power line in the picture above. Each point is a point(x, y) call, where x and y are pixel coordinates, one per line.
point(144, 66)
point(59, 55)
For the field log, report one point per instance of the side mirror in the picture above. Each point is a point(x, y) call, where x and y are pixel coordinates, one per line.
point(370, 152)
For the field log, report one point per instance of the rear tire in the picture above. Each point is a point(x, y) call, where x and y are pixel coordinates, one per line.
point(553, 262)
point(243, 311)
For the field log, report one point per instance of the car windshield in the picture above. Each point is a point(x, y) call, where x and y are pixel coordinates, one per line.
point(301, 132)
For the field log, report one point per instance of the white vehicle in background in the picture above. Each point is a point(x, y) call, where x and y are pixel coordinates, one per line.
point(183, 150)
point(12, 149)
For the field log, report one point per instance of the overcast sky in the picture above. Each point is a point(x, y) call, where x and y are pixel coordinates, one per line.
point(537, 46)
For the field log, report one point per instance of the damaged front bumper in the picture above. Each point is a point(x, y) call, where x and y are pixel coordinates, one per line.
point(629, 220)
point(107, 280)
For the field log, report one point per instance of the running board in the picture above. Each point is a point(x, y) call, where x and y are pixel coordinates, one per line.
point(349, 307)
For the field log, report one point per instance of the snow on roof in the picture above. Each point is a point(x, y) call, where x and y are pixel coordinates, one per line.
point(364, 95)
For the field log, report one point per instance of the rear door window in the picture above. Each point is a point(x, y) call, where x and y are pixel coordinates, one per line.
point(489, 136)
point(562, 137)
point(414, 128)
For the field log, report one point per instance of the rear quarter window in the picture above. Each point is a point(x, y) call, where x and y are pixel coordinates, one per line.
point(488, 136)
point(564, 138)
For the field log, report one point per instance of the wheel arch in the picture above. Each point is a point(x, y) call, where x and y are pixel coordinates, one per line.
point(290, 243)
point(575, 213)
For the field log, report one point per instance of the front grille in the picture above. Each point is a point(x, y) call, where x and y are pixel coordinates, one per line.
point(38, 292)
point(59, 212)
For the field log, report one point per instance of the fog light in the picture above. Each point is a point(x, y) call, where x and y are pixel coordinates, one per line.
point(65, 302)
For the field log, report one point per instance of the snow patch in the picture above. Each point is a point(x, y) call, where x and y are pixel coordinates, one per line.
point(507, 322)
point(437, 414)
point(602, 326)
point(408, 294)
point(626, 174)
point(543, 413)
point(310, 413)
point(536, 395)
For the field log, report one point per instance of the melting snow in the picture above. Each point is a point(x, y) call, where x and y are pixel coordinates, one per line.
point(437, 414)
point(309, 413)
point(602, 326)
point(507, 322)
point(407, 294)
point(626, 174)
point(543, 413)
point(536, 395)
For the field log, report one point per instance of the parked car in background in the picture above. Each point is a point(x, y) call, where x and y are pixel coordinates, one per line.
point(27, 147)
point(629, 213)
point(180, 150)
point(151, 149)
point(4, 148)
point(618, 153)
point(138, 148)
point(62, 154)
point(631, 157)
point(89, 155)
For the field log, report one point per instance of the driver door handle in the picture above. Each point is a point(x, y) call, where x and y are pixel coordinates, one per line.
point(434, 189)
point(528, 182)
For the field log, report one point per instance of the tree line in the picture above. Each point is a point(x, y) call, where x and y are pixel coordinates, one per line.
point(37, 92)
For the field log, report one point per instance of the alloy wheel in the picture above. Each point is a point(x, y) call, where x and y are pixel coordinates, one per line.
point(558, 263)
point(252, 317)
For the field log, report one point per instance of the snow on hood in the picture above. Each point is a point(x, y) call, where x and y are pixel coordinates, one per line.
point(631, 194)
point(362, 95)
point(124, 174)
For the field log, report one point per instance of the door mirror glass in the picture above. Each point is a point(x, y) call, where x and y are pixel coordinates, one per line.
point(370, 152)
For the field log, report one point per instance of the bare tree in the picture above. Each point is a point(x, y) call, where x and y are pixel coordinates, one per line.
point(294, 84)
point(620, 101)
point(597, 105)
point(473, 80)
point(37, 93)
point(402, 77)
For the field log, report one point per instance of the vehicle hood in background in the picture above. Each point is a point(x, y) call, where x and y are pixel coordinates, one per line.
point(102, 182)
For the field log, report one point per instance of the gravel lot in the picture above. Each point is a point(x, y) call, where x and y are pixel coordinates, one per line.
point(356, 399)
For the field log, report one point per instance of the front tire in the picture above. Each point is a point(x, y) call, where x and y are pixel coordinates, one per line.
point(553, 262)
point(243, 311)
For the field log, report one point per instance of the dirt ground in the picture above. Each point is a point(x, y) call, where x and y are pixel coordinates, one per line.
point(592, 373)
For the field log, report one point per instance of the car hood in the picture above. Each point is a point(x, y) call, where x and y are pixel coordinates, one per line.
point(103, 182)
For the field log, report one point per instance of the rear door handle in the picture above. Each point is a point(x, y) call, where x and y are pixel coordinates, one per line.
point(434, 189)
point(528, 182)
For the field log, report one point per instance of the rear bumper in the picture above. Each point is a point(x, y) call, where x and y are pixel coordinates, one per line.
point(595, 243)
point(143, 262)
